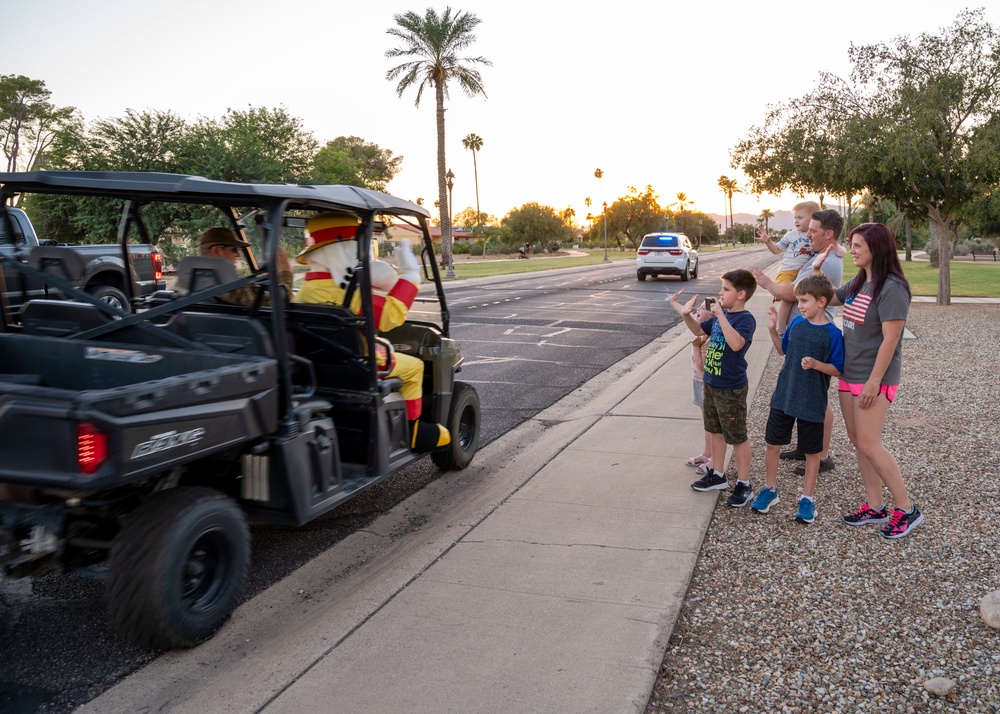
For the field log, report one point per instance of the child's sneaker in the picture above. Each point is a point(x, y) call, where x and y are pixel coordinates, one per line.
point(712, 481)
point(741, 495)
point(902, 523)
point(765, 499)
point(806, 512)
point(866, 514)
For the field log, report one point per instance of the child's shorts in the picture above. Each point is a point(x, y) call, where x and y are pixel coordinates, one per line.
point(697, 393)
point(889, 390)
point(726, 413)
point(778, 432)
point(786, 276)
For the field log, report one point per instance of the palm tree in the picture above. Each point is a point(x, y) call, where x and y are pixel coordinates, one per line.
point(598, 174)
point(474, 143)
point(682, 202)
point(729, 187)
point(436, 41)
point(766, 215)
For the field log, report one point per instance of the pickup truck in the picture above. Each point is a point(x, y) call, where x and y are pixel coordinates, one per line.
point(138, 447)
point(99, 270)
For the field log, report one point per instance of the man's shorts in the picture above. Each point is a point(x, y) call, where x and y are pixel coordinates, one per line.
point(786, 276)
point(726, 413)
point(779, 432)
point(698, 393)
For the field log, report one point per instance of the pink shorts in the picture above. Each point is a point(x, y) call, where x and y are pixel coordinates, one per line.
point(889, 390)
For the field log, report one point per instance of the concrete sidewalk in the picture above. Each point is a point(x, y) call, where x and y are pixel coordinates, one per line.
point(546, 577)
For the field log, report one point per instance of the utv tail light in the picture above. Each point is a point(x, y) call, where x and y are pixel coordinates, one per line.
point(157, 265)
point(91, 448)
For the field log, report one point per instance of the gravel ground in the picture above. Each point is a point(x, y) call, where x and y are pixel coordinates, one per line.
point(786, 617)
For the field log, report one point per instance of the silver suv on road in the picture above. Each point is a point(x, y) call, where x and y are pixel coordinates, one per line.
point(666, 254)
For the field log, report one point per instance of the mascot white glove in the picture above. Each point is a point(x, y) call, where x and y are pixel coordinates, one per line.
point(409, 269)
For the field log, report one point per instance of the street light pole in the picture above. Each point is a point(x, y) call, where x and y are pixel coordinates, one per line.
point(450, 268)
point(451, 206)
point(606, 232)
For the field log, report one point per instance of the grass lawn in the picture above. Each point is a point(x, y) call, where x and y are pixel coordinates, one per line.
point(967, 279)
point(477, 268)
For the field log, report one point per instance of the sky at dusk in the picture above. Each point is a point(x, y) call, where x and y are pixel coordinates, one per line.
point(652, 94)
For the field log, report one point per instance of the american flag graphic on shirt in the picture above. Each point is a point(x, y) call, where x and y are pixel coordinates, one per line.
point(855, 309)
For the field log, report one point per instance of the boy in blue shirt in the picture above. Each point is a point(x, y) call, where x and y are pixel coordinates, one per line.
point(814, 351)
point(730, 330)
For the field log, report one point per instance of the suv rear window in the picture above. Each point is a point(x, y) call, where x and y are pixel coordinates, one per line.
point(655, 241)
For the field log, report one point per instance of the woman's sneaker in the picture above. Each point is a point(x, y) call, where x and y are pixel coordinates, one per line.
point(865, 515)
point(712, 481)
point(806, 512)
point(765, 499)
point(902, 523)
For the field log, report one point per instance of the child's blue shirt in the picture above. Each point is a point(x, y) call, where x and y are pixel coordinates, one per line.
point(802, 393)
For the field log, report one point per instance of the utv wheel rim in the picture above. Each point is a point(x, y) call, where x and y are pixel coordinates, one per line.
point(467, 427)
point(205, 570)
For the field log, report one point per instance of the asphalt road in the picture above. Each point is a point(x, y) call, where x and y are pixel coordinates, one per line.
point(528, 341)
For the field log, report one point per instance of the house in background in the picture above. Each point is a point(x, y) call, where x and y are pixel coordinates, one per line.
point(401, 231)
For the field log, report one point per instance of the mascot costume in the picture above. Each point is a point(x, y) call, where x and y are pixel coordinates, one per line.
point(332, 259)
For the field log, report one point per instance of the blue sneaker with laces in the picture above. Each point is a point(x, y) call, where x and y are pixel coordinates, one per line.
point(806, 512)
point(765, 499)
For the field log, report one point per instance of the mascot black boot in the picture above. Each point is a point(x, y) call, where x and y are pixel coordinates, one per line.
point(428, 436)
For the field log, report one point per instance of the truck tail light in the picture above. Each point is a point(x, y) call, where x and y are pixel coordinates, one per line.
point(157, 265)
point(91, 448)
point(643, 252)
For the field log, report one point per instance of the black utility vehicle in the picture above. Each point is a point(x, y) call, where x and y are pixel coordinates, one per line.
point(138, 446)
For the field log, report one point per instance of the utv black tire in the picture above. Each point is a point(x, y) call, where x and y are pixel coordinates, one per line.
point(464, 420)
point(686, 274)
point(111, 295)
point(177, 568)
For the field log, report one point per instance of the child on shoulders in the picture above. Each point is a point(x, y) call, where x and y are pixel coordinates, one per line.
point(795, 249)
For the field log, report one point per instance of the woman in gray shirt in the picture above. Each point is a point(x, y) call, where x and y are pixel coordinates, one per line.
point(876, 303)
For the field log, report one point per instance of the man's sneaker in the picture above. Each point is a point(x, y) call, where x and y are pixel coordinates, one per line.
point(806, 512)
point(765, 499)
point(792, 455)
point(824, 465)
point(902, 523)
point(712, 481)
point(741, 495)
point(866, 514)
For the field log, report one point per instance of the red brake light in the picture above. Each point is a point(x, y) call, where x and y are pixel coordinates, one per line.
point(643, 252)
point(157, 266)
point(91, 448)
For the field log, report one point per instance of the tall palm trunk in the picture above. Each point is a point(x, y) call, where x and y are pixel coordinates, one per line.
point(446, 257)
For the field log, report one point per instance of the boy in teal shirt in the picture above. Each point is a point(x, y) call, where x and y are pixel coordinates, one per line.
point(730, 330)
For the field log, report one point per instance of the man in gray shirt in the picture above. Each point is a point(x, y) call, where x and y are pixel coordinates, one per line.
point(824, 228)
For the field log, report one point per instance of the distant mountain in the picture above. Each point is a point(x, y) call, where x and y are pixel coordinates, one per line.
point(782, 220)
